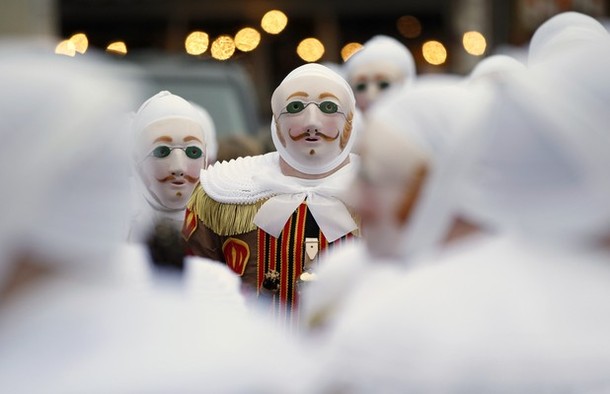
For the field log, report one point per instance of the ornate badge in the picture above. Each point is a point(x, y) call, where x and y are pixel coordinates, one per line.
point(272, 280)
point(237, 253)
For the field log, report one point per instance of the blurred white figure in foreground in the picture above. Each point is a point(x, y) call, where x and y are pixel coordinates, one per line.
point(384, 64)
point(524, 313)
point(169, 152)
point(403, 193)
point(471, 189)
point(495, 65)
point(69, 321)
point(563, 33)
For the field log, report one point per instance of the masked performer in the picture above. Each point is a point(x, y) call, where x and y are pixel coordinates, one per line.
point(169, 153)
point(268, 217)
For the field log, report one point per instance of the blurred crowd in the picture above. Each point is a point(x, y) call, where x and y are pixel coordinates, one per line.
point(436, 234)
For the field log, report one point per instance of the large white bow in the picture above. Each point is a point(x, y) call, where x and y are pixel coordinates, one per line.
point(328, 210)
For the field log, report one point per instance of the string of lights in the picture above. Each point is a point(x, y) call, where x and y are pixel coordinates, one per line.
point(274, 22)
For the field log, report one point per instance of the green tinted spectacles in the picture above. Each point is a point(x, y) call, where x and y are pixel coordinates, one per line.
point(192, 152)
point(362, 86)
point(328, 107)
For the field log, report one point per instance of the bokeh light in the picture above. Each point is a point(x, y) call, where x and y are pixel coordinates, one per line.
point(409, 26)
point(223, 47)
point(434, 52)
point(117, 47)
point(81, 42)
point(310, 49)
point(247, 39)
point(349, 49)
point(66, 48)
point(274, 21)
point(474, 43)
point(196, 43)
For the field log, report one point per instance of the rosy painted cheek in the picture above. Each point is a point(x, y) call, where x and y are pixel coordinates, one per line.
point(193, 167)
point(293, 126)
point(152, 170)
point(160, 168)
point(334, 123)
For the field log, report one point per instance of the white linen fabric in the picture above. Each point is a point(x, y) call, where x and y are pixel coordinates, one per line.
point(486, 72)
point(64, 156)
point(543, 160)
point(501, 316)
point(494, 65)
point(563, 33)
point(84, 325)
point(435, 118)
point(250, 179)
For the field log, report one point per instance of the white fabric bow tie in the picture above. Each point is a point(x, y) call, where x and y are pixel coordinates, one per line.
point(329, 212)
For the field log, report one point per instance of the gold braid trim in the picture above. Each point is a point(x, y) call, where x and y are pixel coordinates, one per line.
point(222, 218)
point(231, 219)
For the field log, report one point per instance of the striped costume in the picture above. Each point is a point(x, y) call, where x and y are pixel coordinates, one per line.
point(269, 265)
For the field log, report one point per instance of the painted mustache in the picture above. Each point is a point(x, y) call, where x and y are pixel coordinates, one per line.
point(171, 178)
point(315, 134)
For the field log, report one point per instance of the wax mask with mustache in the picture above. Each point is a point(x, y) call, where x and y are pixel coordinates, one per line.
point(170, 149)
point(312, 119)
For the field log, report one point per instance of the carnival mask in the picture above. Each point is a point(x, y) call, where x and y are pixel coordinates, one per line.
point(170, 150)
point(313, 110)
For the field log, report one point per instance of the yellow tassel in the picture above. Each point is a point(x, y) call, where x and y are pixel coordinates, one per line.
point(223, 219)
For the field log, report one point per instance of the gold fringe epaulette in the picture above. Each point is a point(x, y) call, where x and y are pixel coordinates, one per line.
point(222, 218)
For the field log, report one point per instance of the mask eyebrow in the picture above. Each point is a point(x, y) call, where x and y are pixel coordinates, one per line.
point(192, 138)
point(303, 94)
point(327, 95)
point(163, 138)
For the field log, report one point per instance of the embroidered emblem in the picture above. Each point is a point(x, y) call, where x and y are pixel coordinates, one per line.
point(272, 280)
point(237, 253)
point(190, 224)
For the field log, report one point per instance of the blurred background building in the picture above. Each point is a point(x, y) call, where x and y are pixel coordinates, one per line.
point(240, 42)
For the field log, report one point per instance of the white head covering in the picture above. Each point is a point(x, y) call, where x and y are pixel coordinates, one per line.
point(386, 48)
point(494, 65)
point(164, 105)
point(542, 167)
point(336, 67)
point(433, 78)
point(325, 74)
point(563, 33)
point(606, 23)
point(64, 171)
point(487, 71)
point(434, 118)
